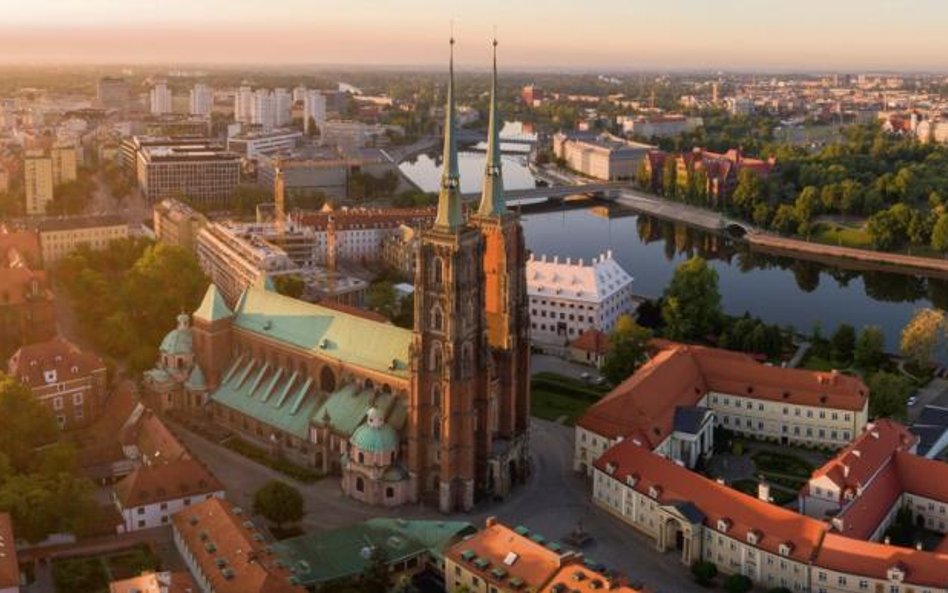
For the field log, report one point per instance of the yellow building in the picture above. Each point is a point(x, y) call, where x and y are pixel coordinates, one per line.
point(64, 164)
point(59, 237)
point(38, 181)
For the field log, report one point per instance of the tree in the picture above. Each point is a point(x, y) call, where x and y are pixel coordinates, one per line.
point(738, 583)
point(627, 349)
point(704, 572)
point(291, 285)
point(691, 307)
point(843, 343)
point(376, 577)
point(279, 502)
point(940, 234)
point(869, 351)
point(27, 424)
point(785, 220)
point(382, 297)
point(748, 191)
point(670, 177)
point(807, 206)
point(920, 336)
point(888, 393)
point(643, 177)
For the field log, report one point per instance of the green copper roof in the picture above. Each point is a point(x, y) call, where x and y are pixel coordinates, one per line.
point(348, 406)
point(375, 439)
point(323, 557)
point(354, 340)
point(449, 201)
point(196, 380)
point(213, 307)
point(177, 341)
point(492, 196)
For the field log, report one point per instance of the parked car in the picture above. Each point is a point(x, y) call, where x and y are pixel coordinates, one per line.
point(912, 400)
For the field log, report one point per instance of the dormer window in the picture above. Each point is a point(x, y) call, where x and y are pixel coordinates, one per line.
point(785, 548)
point(724, 525)
point(610, 468)
point(896, 573)
point(753, 537)
point(655, 491)
point(632, 480)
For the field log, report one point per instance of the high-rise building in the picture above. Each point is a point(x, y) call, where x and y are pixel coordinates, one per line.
point(201, 100)
point(64, 163)
point(314, 110)
point(199, 170)
point(112, 92)
point(160, 98)
point(243, 104)
point(283, 107)
point(38, 181)
point(264, 109)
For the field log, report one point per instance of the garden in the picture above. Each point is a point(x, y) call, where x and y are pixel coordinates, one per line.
point(562, 399)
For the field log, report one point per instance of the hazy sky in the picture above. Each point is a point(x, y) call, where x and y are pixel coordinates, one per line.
point(607, 34)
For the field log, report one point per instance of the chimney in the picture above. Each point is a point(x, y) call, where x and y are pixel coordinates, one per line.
point(763, 491)
point(886, 541)
point(490, 521)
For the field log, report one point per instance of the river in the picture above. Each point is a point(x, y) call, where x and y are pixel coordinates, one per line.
point(779, 290)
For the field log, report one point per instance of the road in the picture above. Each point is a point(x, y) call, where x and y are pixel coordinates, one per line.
point(551, 503)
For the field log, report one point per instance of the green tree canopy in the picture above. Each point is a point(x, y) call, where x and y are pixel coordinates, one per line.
point(628, 344)
point(920, 336)
point(843, 343)
point(691, 307)
point(869, 352)
point(27, 424)
point(888, 393)
point(279, 503)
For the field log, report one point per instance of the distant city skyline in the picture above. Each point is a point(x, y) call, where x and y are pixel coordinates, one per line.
point(607, 35)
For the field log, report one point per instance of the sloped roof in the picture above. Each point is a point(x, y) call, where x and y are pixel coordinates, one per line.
point(31, 362)
point(196, 381)
point(151, 484)
point(592, 340)
point(156, 582)
point(334, 334)
point(340, 553)
point(675, 484)
point(576, 578)
point(212, 307)
point(871, 559)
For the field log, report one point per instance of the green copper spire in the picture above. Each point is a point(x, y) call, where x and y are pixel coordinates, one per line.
point(449, 200)
point(492, 196)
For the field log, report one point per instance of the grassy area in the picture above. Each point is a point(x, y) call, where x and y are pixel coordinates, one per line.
point(837, 234)
point(555, 397)
point(285, 467)
point(782, 463)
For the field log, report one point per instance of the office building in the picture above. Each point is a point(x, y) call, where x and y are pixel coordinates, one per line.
point(61, 236)
point(252, 144)
point(177, 224)
point(314, 110)
point(283, 108)
point(38, 182)
point(160, 98)
point(602, 156)
point(664, 126)
point(200, 100)
point(568, 297)
point(243, 104)
point(69, 382)
point(65, 165)
point(199, 170)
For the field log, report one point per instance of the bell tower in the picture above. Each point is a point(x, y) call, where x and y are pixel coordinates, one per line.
point(506, 311)
point(449, 350)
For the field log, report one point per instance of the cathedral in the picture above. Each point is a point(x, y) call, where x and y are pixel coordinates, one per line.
point(437, 414)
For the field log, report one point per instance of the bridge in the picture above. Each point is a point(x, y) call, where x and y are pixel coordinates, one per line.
point(558, 192)
point(465, 136)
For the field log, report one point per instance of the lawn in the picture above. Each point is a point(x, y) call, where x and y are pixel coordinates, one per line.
point(834, 234)
point(556, 397)
point(782, 463)
point(284, 466)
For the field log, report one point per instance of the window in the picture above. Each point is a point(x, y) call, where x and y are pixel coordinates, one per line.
point(57, 403)
point(141, 510)
point(360, 485)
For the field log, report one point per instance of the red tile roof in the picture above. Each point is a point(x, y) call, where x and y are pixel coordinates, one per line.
point(359, 218)
point(230, 552)
point(873, 560)
point(576, 578)
point(592, 340)
point(9, 567)
point(167, 481)
point(643, 406)
point(153, 439)
point(15, 285)
point(866, 512)
point(673, 483)
point(69, 362)
point(156, 582)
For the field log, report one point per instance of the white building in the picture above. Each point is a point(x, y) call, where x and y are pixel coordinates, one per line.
point(662, 126)
point(243, 104)
point(570, 296)
point(283, 107)
point(314, 108)
point(201, 100)
point(264, 109)
point(253, 144)
point(602, 156)
point(160, 98)
point(148, 496)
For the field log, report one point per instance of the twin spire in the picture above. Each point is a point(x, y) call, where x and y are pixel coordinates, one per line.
point(449, 199)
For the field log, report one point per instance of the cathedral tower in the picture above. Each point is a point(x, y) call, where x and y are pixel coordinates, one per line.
point(506, 314)
point(449, 350)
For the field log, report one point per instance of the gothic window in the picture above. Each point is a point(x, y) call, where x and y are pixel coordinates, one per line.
point(467, 359)
point(436, 396)
point(360, 485)
point(437, 318)
point(327, 380)
point(437, 271)
point(434, 363)
point(436, 428)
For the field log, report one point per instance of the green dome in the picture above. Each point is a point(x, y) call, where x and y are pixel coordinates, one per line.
point(375, 436)
point(177, 341)
point(196, 381)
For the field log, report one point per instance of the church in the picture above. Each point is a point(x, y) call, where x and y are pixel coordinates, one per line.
point(437, 414)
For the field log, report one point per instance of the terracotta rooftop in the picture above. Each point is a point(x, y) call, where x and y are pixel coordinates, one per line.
point(33, 361)
point(359, 218)
point(671, 483)
point(167, 481)
point(576, 578)
point(643, 405)
point(156, 582)
point(9, 567)
point(592, 340)
point(508, 558)
point(874, 560)
point(152, 438)
point(229, 550)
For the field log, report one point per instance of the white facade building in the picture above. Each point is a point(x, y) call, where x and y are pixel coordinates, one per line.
point(314, 108)
point(570, 296)
point(201, 100)
point(283, 107)
point(254, 144)
point(264, 109)
point(243, 104)
point(160, 98)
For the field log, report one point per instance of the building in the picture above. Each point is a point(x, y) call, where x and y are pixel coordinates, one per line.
point(177, 224)
point(65, 160)
point(601, 156)
point(225, 552)
point(531, 95)
point(314, 110)
point(202, 172)
point(112, 92)
point(359, 233)
point(253, 144)
point(37, 181)
point(61, 236)
point(159, 98)
point(300, 378)
point(569, 297)
point(349, 135)
point(200, 100)
point(590, 348)
point(156, 582)
point(68, 381)
point(339, 555)
point(703, 387)
point(151, 494)
point(9, 565)
point(26, 309)
point(283, 106)
point(243, 104)
point(664, 126)
point(324, 169)
point(720, 170)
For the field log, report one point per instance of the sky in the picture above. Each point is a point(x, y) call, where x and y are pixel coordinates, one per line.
point(607, 35)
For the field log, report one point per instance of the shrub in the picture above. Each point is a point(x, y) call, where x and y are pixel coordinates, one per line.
point(704, 572)
point(738, 583)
